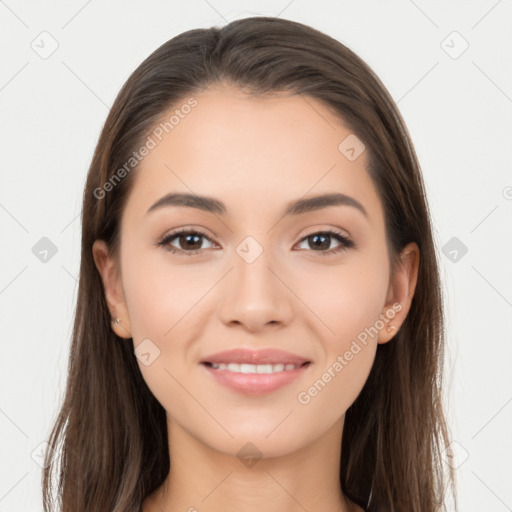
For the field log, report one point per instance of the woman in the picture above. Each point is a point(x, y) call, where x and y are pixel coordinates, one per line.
point(259, 322)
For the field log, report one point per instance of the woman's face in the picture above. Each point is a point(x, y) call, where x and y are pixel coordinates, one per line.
point(252, 275)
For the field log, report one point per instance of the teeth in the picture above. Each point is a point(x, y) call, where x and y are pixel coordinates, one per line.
point(254, 368)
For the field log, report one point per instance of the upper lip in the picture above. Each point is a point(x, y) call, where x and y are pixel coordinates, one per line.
point(247, 356)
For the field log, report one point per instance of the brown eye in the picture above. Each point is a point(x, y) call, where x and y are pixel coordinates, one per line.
point(189, 242)
point(321, 242)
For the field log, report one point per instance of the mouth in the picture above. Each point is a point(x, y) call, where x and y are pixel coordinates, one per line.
point(255, 372)
point(246, 368)
point(255, 379)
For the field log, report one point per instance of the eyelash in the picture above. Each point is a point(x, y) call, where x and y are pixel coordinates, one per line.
point(345, 243)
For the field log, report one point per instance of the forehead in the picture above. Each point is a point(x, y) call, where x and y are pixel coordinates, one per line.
point(253, 151)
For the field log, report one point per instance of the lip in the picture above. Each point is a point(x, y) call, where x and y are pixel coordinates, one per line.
point(263, 356)
point(256, 383)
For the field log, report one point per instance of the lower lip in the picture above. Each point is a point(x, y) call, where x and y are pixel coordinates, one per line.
point(256, 383)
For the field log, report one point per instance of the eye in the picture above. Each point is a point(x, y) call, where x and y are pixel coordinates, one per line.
point(322, 240)
point(190, 241)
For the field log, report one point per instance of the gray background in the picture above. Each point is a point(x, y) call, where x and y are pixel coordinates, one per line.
point(456, 101)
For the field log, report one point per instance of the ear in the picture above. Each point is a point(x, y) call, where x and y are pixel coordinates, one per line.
point(400, 293)
point(114, 293)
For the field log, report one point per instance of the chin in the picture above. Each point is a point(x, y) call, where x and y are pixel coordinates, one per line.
point(252, 444)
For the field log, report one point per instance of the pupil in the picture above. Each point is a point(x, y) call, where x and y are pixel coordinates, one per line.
point(189, 237)
point(324, 245)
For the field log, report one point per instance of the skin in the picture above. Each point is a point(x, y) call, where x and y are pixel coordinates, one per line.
point(255, 155)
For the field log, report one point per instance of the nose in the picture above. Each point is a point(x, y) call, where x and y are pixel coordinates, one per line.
point(255, 296)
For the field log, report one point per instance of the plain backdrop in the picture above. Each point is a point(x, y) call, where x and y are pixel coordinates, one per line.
point(446, 64)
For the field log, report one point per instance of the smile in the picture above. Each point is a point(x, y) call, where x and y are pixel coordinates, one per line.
point(255, 379)
point(255, 368)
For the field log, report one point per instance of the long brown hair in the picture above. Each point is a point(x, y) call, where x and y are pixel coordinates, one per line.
point(109, 442)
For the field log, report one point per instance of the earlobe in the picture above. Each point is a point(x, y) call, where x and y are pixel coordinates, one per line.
point(401, 292)
point(119, 328)
point(392, 322)
point(112, 287)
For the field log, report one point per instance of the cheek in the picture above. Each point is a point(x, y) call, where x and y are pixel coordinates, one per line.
point(163, 297)
point(164, 303)
point(345, 300)
point(349, 327)
point(346, 303)
point(343, 368)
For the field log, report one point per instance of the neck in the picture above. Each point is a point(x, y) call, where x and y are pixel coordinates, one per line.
point(202, 478)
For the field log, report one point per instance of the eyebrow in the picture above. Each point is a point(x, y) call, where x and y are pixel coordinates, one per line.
point(303, 205)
